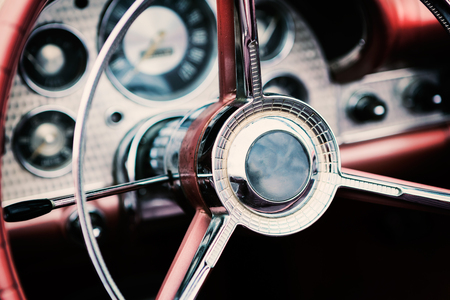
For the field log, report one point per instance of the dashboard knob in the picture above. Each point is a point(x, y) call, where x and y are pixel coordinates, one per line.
point(422, 96)
point(367, 107)
point(98, 225)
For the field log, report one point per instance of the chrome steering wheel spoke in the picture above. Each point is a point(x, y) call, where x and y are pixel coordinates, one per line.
point(199, 252)
point(249, 85)
point(213, 243)
point(270, 163)
point(393, 188)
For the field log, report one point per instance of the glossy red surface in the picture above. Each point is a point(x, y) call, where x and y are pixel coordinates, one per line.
point(397, 30)
point(17, 17)
point(225, 34)
point(189, 152)
point(184, 256)
point(393, 155)
point(227, 81)
point(16, 20)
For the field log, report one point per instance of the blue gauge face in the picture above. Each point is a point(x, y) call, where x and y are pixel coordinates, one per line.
point(167, 52)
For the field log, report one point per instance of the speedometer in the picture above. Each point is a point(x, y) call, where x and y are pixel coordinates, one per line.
point(167, 53)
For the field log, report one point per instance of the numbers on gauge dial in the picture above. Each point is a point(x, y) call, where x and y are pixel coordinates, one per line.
point(167, 52)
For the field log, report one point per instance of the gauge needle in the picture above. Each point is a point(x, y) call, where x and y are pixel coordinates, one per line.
point(37, 151)
point(154, 44)
point(267, 34)
point(50, 138)
point(35, 63)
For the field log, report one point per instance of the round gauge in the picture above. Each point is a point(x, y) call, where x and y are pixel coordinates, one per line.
point(288, 85)
point(43, 141)
point(275, 30)
point(54, 60)
point(167, 53)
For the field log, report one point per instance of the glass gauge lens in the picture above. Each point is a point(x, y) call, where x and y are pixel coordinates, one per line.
point(54, 60)
point(275, 29)
point(43, 141)
point(167, 52)
point(287, 85)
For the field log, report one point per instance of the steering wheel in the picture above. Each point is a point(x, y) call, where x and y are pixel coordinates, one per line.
point(225, 155)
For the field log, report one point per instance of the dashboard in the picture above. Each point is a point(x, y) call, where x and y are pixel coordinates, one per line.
point(166, 67)
point(293, 62)
point(67, 38)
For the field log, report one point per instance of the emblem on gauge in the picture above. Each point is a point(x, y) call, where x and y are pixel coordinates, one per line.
point(167, 53)
point(54, 60)
point(42, 141)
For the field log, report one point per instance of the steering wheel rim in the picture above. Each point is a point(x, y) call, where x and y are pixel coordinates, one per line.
point(20, 24)
point(18, 18)
point(230, 205)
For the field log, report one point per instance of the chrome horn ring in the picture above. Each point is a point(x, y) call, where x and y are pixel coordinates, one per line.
point(307, 195)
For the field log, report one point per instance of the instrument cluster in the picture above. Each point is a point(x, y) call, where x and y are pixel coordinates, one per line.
point(166, 65)
point(168, 53)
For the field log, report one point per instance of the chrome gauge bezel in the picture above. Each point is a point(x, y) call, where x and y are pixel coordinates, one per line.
point(208, 77)
point(285, 12)
point(291, 75)
point(65, 168)
point(65, 91)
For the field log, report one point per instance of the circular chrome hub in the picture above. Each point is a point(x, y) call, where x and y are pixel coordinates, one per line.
point(275, 165)
point(270, 163)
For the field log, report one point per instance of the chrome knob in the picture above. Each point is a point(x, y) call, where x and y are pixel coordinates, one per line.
point(366, 108)
point(423, 96)
point(98, 225)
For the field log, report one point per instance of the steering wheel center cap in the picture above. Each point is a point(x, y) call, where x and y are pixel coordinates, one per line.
point(275, 165)
point(270, 163)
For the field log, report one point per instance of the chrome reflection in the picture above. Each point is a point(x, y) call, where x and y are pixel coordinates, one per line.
point(276, 188)
point(316, 187)
point(141, 155)
point(277, 166)
point(54, 60)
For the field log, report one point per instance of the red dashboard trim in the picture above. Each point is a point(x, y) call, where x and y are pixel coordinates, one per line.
point(391, 155)
point(395, 30)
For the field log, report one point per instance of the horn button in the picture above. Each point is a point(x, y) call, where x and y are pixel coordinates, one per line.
point(270, 163)
point(275, 165)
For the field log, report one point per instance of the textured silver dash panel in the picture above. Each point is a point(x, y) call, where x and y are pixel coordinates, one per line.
point(389, 87)
point(305, 60)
